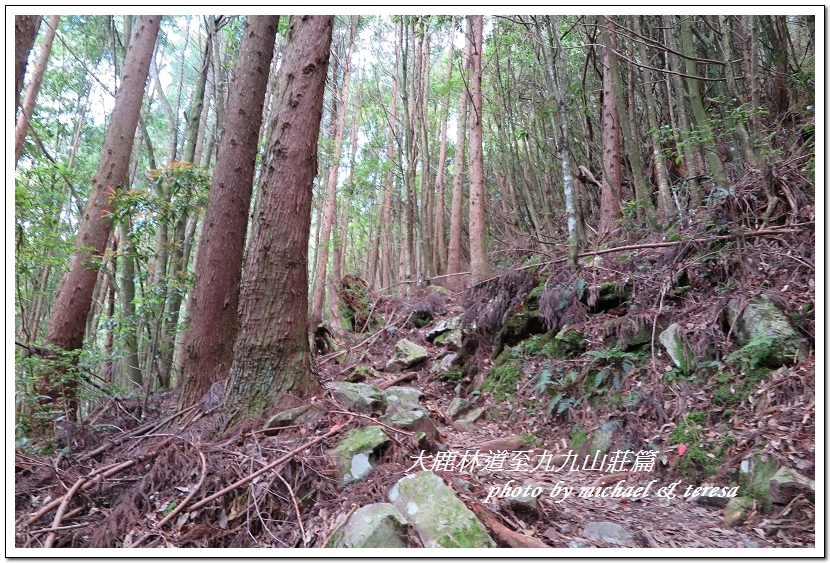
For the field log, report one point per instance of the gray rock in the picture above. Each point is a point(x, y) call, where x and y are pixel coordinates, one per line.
point(359, 396)
point(415, 421)
point(304, 414)
point(601, 441)
point(438, 516)
point(451, 339)
point(373, 526)
point(357, 453)
point(407, 354)
point(399, 399)
point(787, 483)
point(763, 322)
point(458, 407)
point(679, 351)
point(467, 422)
point(445, 365)
point(446, 325)
point(608, 532)
point(525, 501)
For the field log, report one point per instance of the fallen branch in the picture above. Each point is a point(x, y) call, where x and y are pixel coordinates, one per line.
point(504, 534)
point(339, 525)
point(50, 539)
point(405, 377)
point(296, 507)
point(144, 429)
point(759, 233)
point(95, 477)
point(334, 430)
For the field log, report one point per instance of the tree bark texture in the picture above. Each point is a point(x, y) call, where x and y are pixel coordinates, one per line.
point(272, 356)
point(72, 304)
point(479, 264)
point(610, 211)
point(25, 33)
point(28, 107)
point(214, 300)
point(329, 211)
point(454, 248)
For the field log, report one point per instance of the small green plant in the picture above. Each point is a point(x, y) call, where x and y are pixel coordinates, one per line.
point(615, 363)
point(754, 353)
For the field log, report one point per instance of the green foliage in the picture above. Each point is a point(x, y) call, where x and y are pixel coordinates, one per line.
point(698, 458)
point(612, 362)
point(754, 353)
point(503, 378)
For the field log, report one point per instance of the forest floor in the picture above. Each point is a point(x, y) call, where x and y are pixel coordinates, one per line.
point(136, 481)
point(139, 473)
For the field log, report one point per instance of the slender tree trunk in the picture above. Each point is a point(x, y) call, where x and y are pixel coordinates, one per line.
point(440, 246)
point(454, 249)
point(632, 148)
point(407, 257)
point(72, 305)
point(319, 290)
point(34, 85)
point(610, 211)
point(25, 33)
point(713, 161)
point(665, 203)
point(479, 264)
point(272, 355)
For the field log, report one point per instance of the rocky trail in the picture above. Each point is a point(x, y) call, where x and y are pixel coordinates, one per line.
point(404, 448)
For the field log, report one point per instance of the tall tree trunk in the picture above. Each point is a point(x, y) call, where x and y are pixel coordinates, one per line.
point(319, 290)
point(132, 372)
point(66, 326)
point(28, 107)
point(454, 249)
point(272, 355)
point(632, 148)
point(479, 264)
point(408, 259)
point(665, 204)
point(25, 33)
point(610, 211)
point(440, 244)
point(386, 258)
point(713, 161)
point(683, 138)
point(209, 339)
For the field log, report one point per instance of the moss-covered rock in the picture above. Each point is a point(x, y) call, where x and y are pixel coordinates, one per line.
point(304, 414)
point(358, 451)
point(602, 438)
point(453, 323)
point(415, 421)
point(459, 407)
point(677, 348)
point(399, 399)
point(787, 483)
point(376, 525)
point(362, 373)
point(736, 511)
point(451, 339)
point(764, 327)
point(438, 516)
point(359, 396)
point(407, 355)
